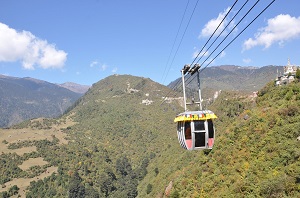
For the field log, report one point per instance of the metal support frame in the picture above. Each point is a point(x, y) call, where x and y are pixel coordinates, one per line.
point(183, 87)
point(191, 71)
point(199, 91)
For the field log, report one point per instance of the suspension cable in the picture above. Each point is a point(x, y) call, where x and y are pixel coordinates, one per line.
point(163, 79)
point(178, 82)
point(201, 70)
point(182, 36)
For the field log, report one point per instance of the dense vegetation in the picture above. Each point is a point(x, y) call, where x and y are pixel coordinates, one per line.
point(121, 147)
point(110, 148)
point(257, 152)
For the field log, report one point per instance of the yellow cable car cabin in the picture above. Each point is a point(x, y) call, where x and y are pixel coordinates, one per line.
point(195, 129)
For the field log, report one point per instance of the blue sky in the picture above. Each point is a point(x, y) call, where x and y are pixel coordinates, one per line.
point(86, 41)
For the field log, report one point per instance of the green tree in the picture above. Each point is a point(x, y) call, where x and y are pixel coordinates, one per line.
point(298, 74)
point(156, 171)
point(4, 194)
point(175, 194)
point(149, 188)
point(13, 190)
point(123, 166)
point(90, 192)
point(76, 189)
point(106, 184)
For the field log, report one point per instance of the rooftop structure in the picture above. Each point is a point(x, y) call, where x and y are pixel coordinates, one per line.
point(289, 73)
point(290, 69)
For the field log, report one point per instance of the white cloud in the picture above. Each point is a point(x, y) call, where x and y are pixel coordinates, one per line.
point(94, 63)
point(247, 60)
point(223, 54)
point(30, 50)
point(211, 25)
point(114, 70)
point(104, 67)
point(280, 29)
point(201, 54)
point(51, 58)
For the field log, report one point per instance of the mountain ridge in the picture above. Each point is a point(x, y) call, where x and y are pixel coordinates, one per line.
point(231, 78)
point(77, 88)
point(119, 146)
point(213, 79)
point(26, 98)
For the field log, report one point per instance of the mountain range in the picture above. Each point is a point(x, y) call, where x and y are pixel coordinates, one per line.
point(77, 88)
point(230, 78)
point(119, 140)
point(26, 98)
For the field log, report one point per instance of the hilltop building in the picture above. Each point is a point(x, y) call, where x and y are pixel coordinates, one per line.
point(289, 73)
point(290, 69)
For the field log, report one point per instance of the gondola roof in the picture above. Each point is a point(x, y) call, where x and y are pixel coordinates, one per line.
point(195, 115)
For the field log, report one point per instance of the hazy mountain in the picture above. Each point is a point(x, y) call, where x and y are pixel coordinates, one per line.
point(77, 88)
point(26, 98)
point(233, 78)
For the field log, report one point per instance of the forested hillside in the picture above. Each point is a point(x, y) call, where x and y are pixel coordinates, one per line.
point(120, 140)
point(256, 152)
point(117, 129)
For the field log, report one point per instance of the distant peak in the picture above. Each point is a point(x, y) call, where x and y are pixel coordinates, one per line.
point(235, 67)
point(34, 80)
point(75, 87)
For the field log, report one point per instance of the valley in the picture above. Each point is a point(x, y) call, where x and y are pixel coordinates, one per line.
point(9, 138)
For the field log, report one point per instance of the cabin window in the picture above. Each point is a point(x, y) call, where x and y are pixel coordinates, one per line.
point(200, 139)
point(199, 125)
point(179, 125)
point(210, 129)
point(187, 132)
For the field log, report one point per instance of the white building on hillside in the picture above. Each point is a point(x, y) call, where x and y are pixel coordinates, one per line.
point(289, 73)
point(290, 69)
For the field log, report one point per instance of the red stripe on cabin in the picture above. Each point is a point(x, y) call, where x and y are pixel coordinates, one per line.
point(189, 143)
point(210, 142)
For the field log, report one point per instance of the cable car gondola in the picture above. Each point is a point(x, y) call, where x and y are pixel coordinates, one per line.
point(195, 129)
